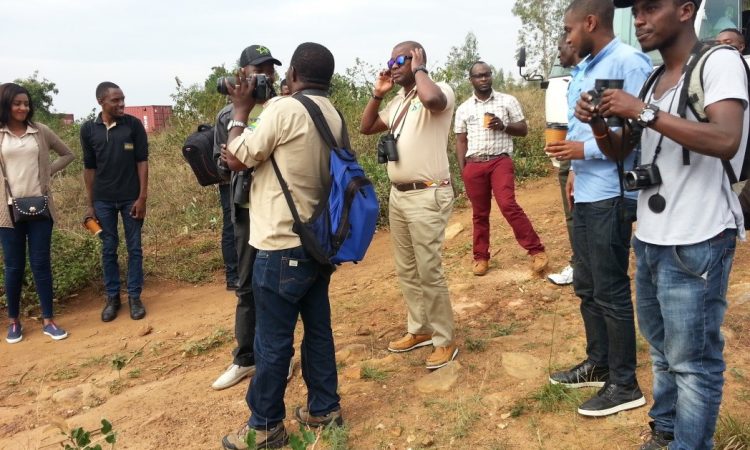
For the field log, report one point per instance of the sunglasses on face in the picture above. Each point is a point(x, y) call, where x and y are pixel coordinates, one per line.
point(398, 61)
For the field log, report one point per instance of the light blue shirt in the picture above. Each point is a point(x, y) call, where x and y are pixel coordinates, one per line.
point(596, 175)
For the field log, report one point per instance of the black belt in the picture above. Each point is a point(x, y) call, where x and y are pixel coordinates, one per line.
point(416, 185)
point(485, 158)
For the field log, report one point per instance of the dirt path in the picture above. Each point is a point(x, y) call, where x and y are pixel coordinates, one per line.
point(512, 328)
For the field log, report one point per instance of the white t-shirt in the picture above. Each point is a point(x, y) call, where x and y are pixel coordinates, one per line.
point(699, 200)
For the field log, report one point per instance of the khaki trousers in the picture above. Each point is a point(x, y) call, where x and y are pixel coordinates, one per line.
point(418, 219)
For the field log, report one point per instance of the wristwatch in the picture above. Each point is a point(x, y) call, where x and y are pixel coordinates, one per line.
point(421, 68)
point(647, 115)
point(235, 123)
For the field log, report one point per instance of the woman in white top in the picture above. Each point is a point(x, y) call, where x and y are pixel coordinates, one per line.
point(25, 150)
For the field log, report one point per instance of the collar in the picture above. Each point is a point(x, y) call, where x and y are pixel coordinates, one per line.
point(606, 51)
point(30, 129)
point(101, 121)
point(478, 100)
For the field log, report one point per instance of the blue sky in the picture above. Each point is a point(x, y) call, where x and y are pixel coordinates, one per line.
point(143, 45)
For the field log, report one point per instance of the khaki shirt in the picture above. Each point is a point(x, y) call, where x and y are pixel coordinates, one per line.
point(422, 138)
point(20, 156)
point(285, 130)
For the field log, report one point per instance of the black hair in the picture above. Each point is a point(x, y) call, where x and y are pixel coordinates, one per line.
point(732, 30)
point(8, 92)
point(101, 90)
point(412, 46)
point(313, 63)
point(471, 67)
point(283, 82)
point(603, 9)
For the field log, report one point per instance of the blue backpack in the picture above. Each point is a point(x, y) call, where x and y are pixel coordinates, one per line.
point(342, 226)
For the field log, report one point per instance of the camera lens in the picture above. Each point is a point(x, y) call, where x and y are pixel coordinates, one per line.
point(221, 86)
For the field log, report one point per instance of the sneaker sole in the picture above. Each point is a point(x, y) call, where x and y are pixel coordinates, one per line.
point(56, 338)
point(615, 409)
point(596, 384)
point(557, 283)
point(443, 364)
point(421, 344)
point(13, 341)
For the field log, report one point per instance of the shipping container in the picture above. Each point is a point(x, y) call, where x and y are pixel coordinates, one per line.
point(154, 117)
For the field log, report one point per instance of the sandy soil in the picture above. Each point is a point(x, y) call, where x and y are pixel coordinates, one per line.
point(512, 327)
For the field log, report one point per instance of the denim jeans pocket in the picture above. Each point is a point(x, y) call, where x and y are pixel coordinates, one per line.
point(693, 259)
point(296, 276)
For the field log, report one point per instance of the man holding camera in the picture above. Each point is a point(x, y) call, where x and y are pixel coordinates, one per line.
point(418, 119)
point(287, 281)
point(602, 218)
point(254, 60)
point(485, 126)
point(688, 215)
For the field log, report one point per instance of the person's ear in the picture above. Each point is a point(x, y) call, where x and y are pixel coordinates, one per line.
point(590, 23)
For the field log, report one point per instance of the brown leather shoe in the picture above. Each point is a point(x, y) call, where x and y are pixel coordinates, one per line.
point(539, 262)
point(303, 416)
point(442, 356)
point(480, 267)
point(275, 437)
point(410, 342)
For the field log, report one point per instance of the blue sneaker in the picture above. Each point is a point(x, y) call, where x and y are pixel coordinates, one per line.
point(15, 333)
point(54, 331)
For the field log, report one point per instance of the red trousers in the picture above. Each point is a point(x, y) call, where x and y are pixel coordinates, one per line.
point(482, 180)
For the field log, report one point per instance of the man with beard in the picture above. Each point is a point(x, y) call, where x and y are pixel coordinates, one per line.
point(485, 126)
point(688, 222)
point(421, 198)
point(602, 219)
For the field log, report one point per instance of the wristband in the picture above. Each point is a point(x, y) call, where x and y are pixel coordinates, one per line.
point(421, 68)
point(377, 97)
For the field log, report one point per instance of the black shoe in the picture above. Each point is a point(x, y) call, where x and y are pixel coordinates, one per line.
point(275, 437)
point(585, 374)
point(611, 399)
point(231, 287)
point(109, 313)
point(137, 311)
point(659, 439)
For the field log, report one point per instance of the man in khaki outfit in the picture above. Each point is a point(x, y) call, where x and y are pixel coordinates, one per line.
point(421, 198)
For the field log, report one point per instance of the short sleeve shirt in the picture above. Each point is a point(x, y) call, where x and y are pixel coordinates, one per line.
point(699, 201)
point(422, 138)
point(470, 120)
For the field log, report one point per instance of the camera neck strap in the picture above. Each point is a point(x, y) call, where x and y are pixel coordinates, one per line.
point(657, 150)
point(405, 106)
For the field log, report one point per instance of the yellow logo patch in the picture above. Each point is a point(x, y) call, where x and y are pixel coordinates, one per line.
point(129, 146)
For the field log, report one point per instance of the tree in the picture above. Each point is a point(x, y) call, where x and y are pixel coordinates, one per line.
point(41, 92)
point(541, 26)
point(199, 103)
point(456, 69)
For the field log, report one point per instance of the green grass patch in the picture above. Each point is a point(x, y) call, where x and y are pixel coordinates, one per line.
point(556, 397)
point(215, 340)
point(372, 373)
point(732, 433)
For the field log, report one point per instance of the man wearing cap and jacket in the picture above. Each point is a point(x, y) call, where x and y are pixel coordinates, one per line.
point(255, 59)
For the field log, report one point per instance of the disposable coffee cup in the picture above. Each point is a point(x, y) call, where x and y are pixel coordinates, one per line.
point(487, 119)
point(92, 225)
point(555, 133)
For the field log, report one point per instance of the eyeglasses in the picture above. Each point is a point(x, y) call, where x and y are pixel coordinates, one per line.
point(398, 61)
point(477, 76)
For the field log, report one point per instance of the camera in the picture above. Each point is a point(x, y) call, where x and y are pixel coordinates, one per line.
point(642, 177)
point(387, 150)
point(600, 85)
point(262, 91)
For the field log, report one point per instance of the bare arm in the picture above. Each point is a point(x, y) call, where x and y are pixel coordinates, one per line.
point(139, 207)
point(462, 145)
point(88, 179)
point(371, 122)
point(519, 129)
point(429, 93)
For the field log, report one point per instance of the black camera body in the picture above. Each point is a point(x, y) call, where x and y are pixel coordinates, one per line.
point(642, 177)
point(387, 150)
point(263, 89)
point(600, 85)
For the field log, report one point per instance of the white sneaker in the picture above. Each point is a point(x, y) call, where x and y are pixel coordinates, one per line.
point(564, 278)
point(233, 375)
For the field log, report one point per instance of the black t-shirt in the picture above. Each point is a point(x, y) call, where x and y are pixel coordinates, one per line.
point(114, 153)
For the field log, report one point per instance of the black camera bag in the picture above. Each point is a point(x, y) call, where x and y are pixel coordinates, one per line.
point(198, 151)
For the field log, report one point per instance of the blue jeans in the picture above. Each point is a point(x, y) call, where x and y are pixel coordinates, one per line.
point(681, 293)
point(39, 236)
point(107, 213)
point(288, 283)
point(228, 249)
point(601, 243)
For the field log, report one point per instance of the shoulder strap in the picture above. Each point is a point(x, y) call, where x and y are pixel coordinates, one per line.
point(401, 116)
point(650, 82)
point(285, 190)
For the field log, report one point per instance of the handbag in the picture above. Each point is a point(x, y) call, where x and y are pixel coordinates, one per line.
point(25, 209)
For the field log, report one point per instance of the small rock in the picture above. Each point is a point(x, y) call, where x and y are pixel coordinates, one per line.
point(523, 366)
point(502, 426)
point(496, 401)
point(505, 416)
point(396, 431)
point(441, 380)
point(453, 230)
point(352, 373)
point(363, 331)
point(146, 329)
point(384, 363)
point(428, 441)
point(380, 426)
point(411, 438)
point(351, 353)
point(515, 303)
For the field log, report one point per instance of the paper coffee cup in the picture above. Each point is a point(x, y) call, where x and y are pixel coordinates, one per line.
point(487, 119)
point(555, 133)
point(92, 225)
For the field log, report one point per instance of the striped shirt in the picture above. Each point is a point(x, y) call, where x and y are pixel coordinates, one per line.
point(470, 120)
